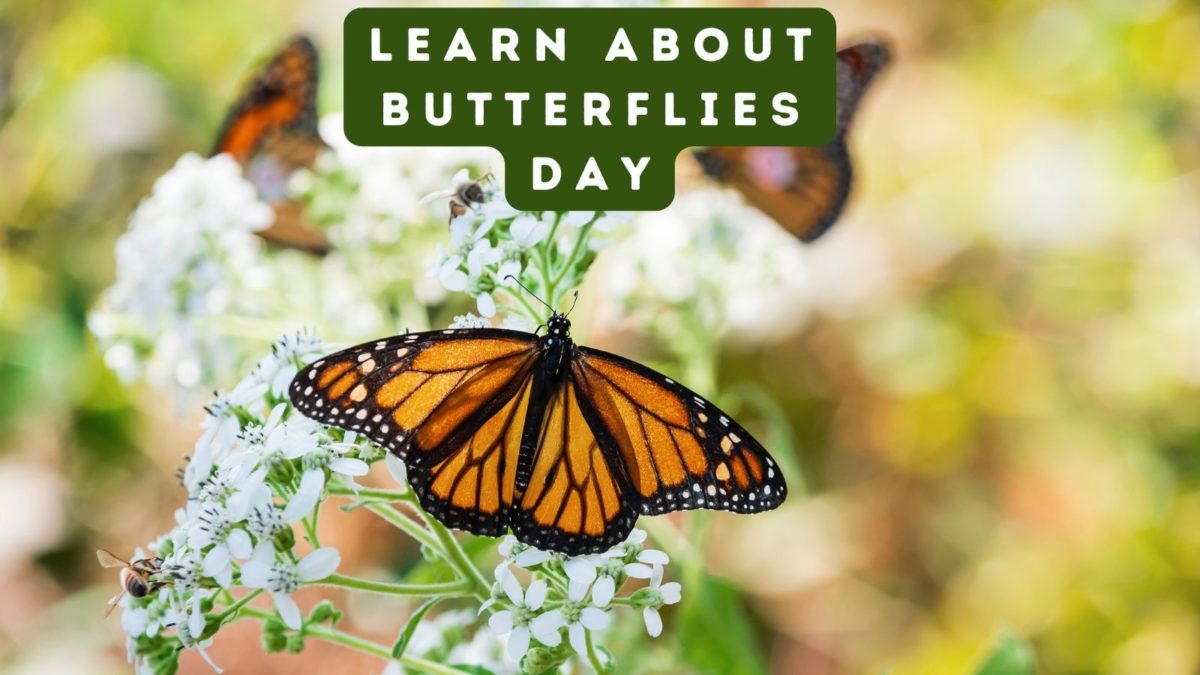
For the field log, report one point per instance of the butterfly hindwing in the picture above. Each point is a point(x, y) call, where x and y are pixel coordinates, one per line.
point(577, 499)
point(679, 450)
point(802, 188)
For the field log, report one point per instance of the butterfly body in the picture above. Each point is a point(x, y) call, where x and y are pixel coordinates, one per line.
point(565, 445)
point(804, 189)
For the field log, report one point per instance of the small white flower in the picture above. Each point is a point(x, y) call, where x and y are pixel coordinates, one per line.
point(662, 594)
point(521, 555)
point(450, 274)
point(581, 617)
point(485, 304)
point(482, 254)
point(325, 455)
point(524, 620)
point(639, 561)
point(470, 321)
point(528, 230)
point(281, 578)
point(219, 526)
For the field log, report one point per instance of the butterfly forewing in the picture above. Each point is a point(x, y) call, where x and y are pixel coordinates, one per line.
point(802, 188)
point(388, 389)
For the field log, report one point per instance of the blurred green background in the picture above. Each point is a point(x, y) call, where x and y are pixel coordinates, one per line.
point(995, 398)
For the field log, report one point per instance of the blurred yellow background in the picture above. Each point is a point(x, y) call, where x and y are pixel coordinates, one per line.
point(995, 394)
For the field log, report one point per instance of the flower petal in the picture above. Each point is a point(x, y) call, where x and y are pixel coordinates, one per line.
point(671, 592)
point(603, 591)
point(348, 466)
point(512, 588)
point(501, 622)
point(580, 570)
point(215, 561)
point(653, 557)
point(306, 497)
point(536, 595)
point(256, 575)
point(653, 621)
point(594, 619)
point(638, 571)
point(239, 544)
point(545, 628)
point(395, 466)
point(288, 610)
point(318, 564)
point(486, 305)
point(518, 642)
point(578, 638)
point(531, 557)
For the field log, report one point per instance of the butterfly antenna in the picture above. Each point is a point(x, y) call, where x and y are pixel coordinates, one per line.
point(573, 301)
point(531, 293)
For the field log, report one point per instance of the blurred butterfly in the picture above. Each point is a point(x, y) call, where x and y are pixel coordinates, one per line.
point(803, 188)
point(271, 130)
point(564, 445)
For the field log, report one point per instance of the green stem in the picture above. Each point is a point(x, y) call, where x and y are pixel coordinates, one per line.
point(530, 312)
point(458, 559)
point(593, 657)
point(404, 523)
point(456, 587)
point(242, 602)
point(371, 493)
point(579, 244)
point(363, 645)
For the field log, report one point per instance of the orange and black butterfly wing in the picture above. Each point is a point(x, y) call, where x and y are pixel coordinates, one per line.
point(281, 98)
point(574, 496)
point(802, 188)
point(272, 130)
point(450, 403)
point(677, 450)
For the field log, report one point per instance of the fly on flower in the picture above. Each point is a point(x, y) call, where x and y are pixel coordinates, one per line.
point(271, 130)
point(137, 577)
point(564, 445)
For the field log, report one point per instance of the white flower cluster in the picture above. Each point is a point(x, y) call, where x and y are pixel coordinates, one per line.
point(492, 244)
point(257, 470)
point(592, 582)
point(717, 263)
point(189, 255)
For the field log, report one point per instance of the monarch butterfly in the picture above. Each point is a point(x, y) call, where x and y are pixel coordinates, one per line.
point(565, 445)
point(271, 130)
point(803, 188)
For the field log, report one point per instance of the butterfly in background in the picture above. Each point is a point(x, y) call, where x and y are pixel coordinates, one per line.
point(271, 130)
point(564, 445)
point(803, 188)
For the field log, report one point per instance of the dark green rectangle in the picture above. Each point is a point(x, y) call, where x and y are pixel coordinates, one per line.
point(588, 35)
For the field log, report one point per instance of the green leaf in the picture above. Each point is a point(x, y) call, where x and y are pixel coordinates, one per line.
point(410, 627)
point(715, 630)
point(1010, 656)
